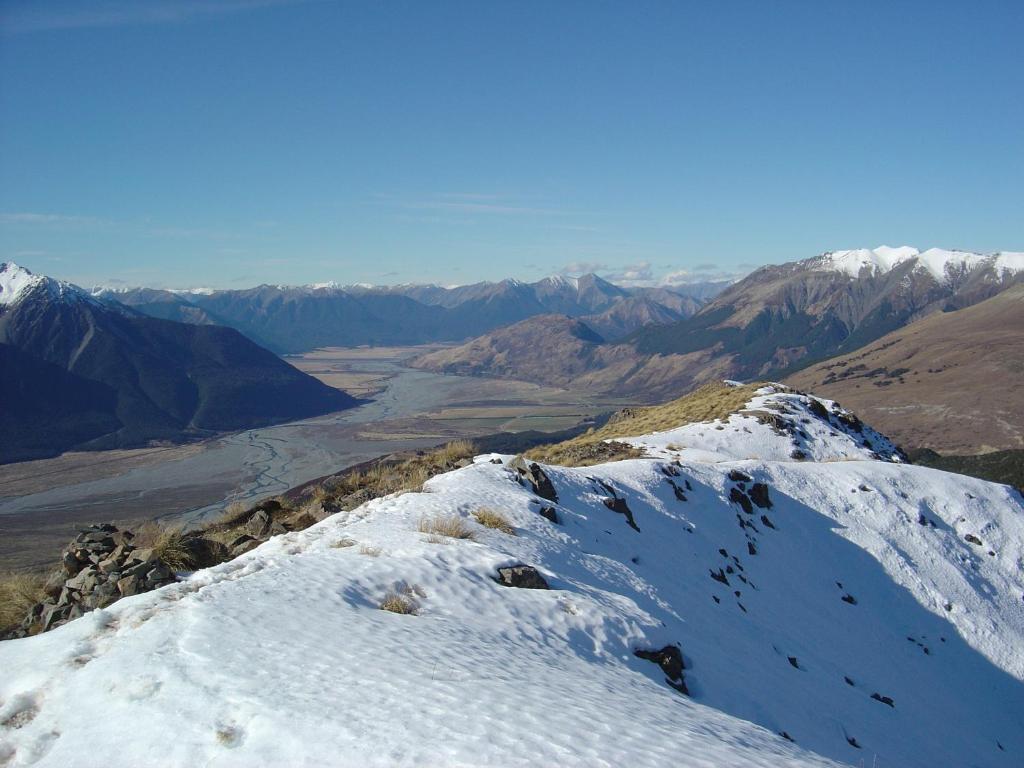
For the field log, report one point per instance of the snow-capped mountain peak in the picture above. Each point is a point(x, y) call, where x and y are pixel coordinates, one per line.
point(939, 263)
point(16, 283)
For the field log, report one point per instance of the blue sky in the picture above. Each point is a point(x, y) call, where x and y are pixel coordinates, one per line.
point(234, 142)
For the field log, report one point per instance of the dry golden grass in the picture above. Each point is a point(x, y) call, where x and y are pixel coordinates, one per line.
point(710, 402)
point(396, 603)
point(491, 518)
point(167, 543)
point(343, 543)
point(450, 526)
point(18, 593)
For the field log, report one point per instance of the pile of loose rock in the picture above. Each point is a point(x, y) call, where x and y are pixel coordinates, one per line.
point(99, 567)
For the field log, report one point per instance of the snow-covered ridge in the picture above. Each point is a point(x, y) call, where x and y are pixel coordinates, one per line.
point(939, 263)
point(867, 610)
point(17, 282)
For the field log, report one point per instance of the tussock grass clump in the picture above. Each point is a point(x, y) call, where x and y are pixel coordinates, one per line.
point(491, 518)
point(18, 593)
point(168, 544)
point(343, 543)
point(402, 599)
point(450, 526)
point(396, 603)
point(710, 402)
point(370, 551)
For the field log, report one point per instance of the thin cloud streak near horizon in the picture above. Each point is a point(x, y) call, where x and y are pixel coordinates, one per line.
point(40, 19)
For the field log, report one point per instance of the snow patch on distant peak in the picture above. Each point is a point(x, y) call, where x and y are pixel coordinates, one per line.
point(938, 262)
point(564, 281)
point(16, 282)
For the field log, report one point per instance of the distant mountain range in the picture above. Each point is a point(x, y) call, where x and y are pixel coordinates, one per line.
point(290, 319)
point(775, 321)
point(82, 373)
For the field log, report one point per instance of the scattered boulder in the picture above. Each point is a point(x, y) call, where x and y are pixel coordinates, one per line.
point(884, 699)
point(670, 659)
point(970, 538)
point(739, 477)
point(521, 576)
point(736, 496)
point(616, 504)
point(759, 495)
point(536, 477)
point(549, 513)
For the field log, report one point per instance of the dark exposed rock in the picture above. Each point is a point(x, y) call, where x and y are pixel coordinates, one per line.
point(720, 576)
point(549, 513)
point(736, 496)
point(849, 599)
point(619, 505)
point(759, 495)
point(670, 659)
point(797, 455)
point(521, 576)
point(818, 408)
point(677, 491)
point(884, 699)
point(536, 477)
point(767, 522)
point(739, 477)
point(972, 539)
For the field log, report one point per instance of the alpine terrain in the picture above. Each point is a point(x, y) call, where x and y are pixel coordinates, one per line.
point(764, 581)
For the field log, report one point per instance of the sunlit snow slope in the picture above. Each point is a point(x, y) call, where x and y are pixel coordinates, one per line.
point(833, 599)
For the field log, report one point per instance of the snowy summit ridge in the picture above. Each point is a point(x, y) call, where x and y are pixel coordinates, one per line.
point(939, 263)
point(807, 596)
point(16, 283)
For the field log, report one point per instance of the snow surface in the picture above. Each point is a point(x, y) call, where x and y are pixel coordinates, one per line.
point(282, 656)
point(939, 263)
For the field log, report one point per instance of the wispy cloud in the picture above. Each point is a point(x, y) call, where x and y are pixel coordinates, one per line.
point(495, 208)
point(47, 218)
point(37, 17)
point(471, 203)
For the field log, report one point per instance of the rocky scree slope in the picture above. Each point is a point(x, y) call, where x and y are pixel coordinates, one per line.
point(717, 602)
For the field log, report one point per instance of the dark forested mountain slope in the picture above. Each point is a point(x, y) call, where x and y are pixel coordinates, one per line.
point(82, 373)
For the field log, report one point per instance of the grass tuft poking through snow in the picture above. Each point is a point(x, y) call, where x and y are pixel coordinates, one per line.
point(491, 518)
point(450, 526)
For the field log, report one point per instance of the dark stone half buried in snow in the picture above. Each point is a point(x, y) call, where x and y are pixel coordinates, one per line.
point(670, 659)
point(521, 576)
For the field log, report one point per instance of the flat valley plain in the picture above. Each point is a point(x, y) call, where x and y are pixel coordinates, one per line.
point(43, 503)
